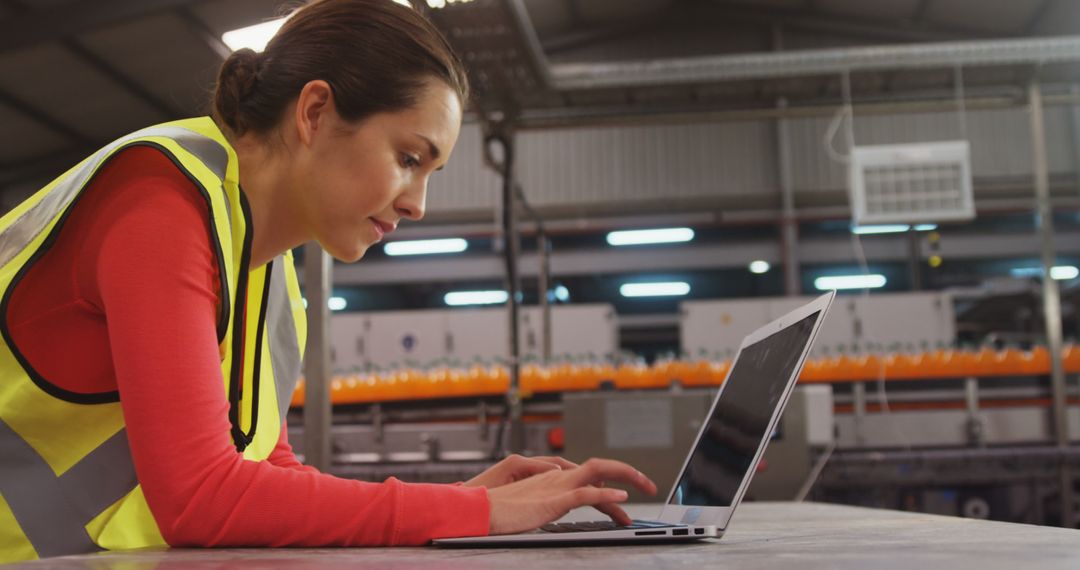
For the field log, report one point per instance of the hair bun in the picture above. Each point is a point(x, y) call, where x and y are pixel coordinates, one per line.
point(236, 82)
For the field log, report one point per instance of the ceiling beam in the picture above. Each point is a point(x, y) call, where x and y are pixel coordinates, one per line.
point(62, 21)
point(105, 68)
point(42, 117)
point(918, 15)
point(120, 78)
point(583, 37)
point(203, 31)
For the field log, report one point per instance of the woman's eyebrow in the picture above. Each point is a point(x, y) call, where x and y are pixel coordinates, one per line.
point(432, 149)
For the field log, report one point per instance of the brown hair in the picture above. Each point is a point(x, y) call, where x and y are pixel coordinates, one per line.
point(375, 54)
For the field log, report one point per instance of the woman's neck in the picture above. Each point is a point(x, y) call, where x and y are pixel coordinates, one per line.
point(266, 183)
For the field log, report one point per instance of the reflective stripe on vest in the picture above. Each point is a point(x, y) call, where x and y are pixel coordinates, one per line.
point(53, 511)
point(284, 342)
point(22, 231)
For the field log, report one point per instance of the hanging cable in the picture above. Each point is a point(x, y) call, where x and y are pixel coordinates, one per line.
point(847, 113)
point(961, 103)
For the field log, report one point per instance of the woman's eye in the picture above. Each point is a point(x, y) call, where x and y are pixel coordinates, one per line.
point(410, 161)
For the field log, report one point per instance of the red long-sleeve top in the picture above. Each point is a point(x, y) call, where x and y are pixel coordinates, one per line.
point(126, 300)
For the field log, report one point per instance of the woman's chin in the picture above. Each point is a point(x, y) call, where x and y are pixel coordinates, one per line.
point(347, 254)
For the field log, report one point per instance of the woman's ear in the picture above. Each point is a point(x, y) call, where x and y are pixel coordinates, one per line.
point(314, 110)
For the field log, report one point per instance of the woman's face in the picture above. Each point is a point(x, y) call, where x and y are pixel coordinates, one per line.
point(359, 181)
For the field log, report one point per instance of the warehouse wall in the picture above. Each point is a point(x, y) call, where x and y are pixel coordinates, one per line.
point(732, 163)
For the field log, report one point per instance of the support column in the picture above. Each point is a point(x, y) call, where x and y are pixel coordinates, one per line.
point(502, 136)
point(789, 223)
point(317, 267)
point(1051, 298)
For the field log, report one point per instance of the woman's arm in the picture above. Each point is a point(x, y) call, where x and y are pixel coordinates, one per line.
point(283, 455)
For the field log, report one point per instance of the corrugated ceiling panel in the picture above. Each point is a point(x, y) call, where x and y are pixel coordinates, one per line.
point(1060, 18)
point(609, 165)
point(877, 10)
point(146, 52)
point(991, 15)
point(22, 138)
point(647, 163)
point(79, 96)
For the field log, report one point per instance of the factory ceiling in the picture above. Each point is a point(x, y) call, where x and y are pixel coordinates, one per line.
point(75, 74)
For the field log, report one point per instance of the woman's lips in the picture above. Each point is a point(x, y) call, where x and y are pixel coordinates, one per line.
point(382, 228)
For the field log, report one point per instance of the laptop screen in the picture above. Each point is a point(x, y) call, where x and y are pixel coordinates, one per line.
point(737, 427)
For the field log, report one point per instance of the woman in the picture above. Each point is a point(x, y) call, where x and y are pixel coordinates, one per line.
point(152, 321)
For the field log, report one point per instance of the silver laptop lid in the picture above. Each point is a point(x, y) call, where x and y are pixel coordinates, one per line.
point(744, 414)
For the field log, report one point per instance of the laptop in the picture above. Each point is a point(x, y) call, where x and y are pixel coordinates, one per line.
point(717, 470)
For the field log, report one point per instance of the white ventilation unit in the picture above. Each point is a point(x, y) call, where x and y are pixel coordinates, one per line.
point(911, 183)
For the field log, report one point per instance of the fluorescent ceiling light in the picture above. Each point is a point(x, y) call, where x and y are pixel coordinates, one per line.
point(638, 237)
point(925, 227)
point(849, 282)
point(562, 293)
point(426, 246)
point(883, 229)
point(333, 303)
point(1057, 272)
point(442, 3)
point(668, 289)
point(759, 267)
point(255, 37)
point(1064, 272)
point(461, 298)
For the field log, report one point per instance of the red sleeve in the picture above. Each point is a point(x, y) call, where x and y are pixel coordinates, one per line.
point(155, 277)
point(283, 455)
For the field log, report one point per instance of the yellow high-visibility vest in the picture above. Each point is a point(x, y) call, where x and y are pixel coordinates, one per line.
point(67, 482)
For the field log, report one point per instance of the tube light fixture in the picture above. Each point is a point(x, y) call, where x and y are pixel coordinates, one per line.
point(758, 267)
point(872, 281)
point(333, 303)
point(436, 4)
point(462, 298)
point(892, 228)
point(1057, 272)
point(426, 246)
point(667, 289)
point(882, 229)
point(255, 37)
point(639, 237)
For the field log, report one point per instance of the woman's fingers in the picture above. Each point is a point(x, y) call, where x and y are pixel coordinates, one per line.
point(616, 513)
point(587, 496)
point(561, 462)
point(519, 467)
point(596, 471)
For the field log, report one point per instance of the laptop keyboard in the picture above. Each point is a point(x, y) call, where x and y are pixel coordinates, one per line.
point(601, 525)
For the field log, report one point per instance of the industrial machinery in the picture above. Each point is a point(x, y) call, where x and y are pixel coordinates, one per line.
point(890, 412)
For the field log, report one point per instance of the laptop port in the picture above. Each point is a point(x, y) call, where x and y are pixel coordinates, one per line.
point(650, 533)
point(680, 532)
point(699, 531)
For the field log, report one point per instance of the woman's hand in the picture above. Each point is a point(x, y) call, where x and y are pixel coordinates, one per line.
point(546, 496)
point(516, 468)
